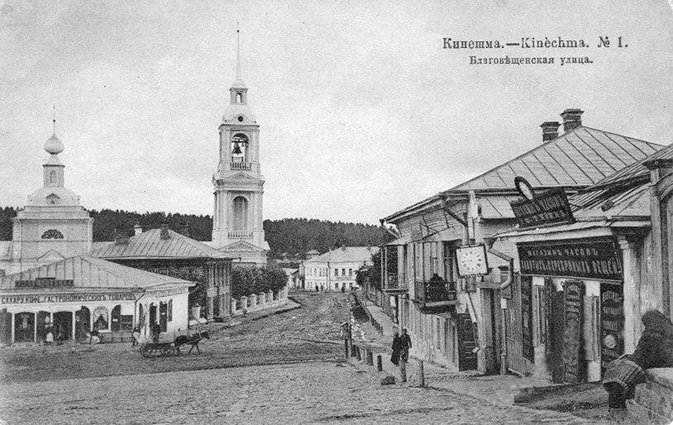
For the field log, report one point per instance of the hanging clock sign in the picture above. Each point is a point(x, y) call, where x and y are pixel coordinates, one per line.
point(543, 208)
point(472, 260)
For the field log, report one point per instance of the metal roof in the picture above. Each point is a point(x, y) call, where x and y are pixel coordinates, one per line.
point(90, 272)
point(150, 245)
point(580, 157)
point(347, 254)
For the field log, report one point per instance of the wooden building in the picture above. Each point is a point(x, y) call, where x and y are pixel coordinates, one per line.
point(460, 323)
point(585, 284)
point(169, 253)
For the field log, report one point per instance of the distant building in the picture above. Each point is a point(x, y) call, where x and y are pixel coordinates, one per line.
point(336, 270)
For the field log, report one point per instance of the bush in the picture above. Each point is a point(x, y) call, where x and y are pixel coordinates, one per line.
point(246, 281)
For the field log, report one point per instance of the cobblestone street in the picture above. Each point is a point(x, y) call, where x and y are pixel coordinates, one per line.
point(316, 392)
point(277, 369)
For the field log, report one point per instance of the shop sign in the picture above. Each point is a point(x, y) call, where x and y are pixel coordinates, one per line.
point(597, 260)
point(527, 318)
point(537, 209)
point(612, 323)
point(65, 298)
point(572, 330)
point(44, 282)
point(168, 292)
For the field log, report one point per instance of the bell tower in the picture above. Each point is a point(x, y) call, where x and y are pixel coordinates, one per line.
point(238, 182)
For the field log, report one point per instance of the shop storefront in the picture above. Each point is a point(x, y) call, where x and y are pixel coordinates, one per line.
point(571, 306)
point(73, 298)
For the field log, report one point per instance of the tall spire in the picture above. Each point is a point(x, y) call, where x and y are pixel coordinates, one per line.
point(239, 81)
point(238, 53)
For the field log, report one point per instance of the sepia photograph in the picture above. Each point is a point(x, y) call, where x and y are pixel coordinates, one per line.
point(320, 212)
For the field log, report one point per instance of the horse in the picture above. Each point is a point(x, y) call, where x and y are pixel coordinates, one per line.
point(192, 340)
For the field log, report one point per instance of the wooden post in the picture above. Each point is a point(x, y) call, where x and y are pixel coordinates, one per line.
point(379, 363)
point(346, 347)
point(357, 352)
point(403, 371)
point(421, 374)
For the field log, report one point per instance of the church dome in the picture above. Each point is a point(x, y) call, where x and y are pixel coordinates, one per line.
point(237, 113)
point(53, 196)
point(53, 145)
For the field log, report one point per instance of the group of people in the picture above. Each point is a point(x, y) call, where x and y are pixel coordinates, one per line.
point(54, 333)
point(401, 346)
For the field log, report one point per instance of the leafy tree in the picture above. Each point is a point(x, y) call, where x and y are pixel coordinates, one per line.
point(246, 281)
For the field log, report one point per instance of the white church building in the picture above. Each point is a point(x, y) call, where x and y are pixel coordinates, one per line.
point(52, 226)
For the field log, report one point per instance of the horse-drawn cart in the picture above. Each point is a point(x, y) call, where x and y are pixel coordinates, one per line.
point(157, 349)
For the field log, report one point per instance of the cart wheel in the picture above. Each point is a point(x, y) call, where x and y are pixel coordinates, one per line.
point(146, 350)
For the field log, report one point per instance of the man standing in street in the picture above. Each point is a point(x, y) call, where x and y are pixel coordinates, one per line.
point(405, 345)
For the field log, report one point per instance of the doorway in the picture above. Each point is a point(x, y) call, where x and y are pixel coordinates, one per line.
point(24, 327)
point(63, 324)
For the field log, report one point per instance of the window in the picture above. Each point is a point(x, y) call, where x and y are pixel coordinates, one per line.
point(240, 217)
point(343, 272)
point(350, 272)
point(52, 234)
point(170, 310)
point(336, 272)
point(52, 177)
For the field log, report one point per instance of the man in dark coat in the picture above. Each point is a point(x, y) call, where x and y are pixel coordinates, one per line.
point(655, 349)
point(406, 345)
point(397, 349)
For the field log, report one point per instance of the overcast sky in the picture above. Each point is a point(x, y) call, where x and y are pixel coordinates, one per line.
point(362, 111)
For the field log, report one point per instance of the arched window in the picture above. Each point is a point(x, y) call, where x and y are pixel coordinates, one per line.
point(239, 147)
point(239, 97)
point(52, 177)
point(52, 234)
point(240, 223)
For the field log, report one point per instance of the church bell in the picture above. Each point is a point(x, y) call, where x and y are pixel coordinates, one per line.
point(236, 150)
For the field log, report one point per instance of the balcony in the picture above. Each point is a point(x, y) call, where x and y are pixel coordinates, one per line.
point(242, 166)
point(394, 284)
point(435, 297)
point(240, 235)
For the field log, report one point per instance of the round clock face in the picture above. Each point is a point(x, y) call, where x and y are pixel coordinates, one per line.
point(472, 261)
point(524, 188)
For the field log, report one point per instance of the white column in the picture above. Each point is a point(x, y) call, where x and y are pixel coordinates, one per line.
point(13, 326)
point(74, 326)
point(35, 327)
point(631, 289)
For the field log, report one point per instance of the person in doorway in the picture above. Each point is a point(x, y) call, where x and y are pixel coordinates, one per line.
point(397, 349)
point(60, 334)
point(405, 345)
point(654, 349)
point(49, 334)
point(156, 331)
point(136, 336)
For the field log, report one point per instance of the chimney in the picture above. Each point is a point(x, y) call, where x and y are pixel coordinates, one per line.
point(164, 231)
point(572, 118)
point(137, 229)
point(549, 130)
point(121, 238)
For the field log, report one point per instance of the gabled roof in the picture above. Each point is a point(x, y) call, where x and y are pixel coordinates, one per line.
point(345, 255)
point(90, 272)
point(150, 245)
point(574, 160)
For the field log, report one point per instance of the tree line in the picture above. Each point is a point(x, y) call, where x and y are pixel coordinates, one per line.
point(291, 237)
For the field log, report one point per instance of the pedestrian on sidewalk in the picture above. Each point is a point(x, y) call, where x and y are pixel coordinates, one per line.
point(405, 345)
point(397, 349)
point(654, 349)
